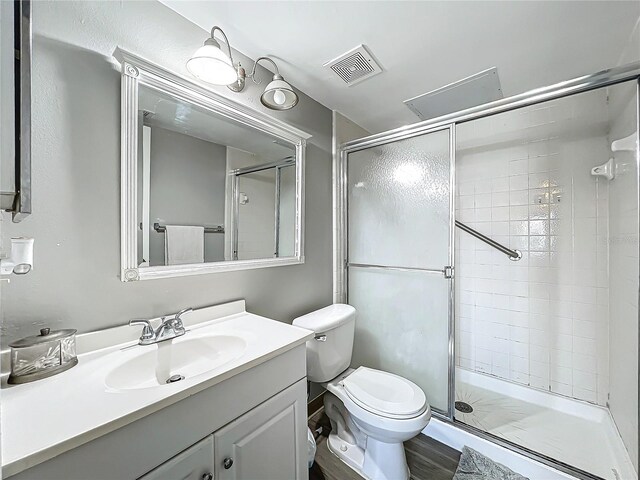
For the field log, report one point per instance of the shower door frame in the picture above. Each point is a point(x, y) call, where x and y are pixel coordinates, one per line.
point(604, 78)
point(341, 256)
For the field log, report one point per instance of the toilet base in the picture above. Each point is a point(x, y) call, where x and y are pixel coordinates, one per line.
point(392, 464)
point(349, 453)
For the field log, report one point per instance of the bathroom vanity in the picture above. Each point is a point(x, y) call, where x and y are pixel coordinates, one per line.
point(238, 413)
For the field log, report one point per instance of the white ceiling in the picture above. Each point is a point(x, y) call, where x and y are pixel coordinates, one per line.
point(421, 45)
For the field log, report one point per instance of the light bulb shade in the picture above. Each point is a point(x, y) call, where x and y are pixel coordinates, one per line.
point(210, 64)
point(279, 95)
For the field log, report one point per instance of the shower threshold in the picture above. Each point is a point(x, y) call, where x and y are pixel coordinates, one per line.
point(571, 431)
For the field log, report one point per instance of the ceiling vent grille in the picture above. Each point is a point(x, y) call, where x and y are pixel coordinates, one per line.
point(478, 89)
point(355, 66)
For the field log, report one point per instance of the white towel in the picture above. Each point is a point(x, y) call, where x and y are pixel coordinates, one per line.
point(183, 244)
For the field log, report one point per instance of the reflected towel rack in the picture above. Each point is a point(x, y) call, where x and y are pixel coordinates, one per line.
point(162, 228)
point(514, 255)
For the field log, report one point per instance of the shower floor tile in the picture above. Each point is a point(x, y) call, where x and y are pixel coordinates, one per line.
point(574, 432)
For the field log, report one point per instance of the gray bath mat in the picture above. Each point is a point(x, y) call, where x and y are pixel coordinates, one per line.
point(475, 466)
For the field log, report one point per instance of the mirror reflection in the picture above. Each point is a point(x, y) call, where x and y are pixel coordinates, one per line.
point(210, 189)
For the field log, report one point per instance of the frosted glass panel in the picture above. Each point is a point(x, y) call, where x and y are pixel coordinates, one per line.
point(398, 200)
point(287, 214)
point(257, 215)
point(402, 326)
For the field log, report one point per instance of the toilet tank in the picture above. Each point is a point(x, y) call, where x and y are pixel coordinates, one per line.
point(329, 353)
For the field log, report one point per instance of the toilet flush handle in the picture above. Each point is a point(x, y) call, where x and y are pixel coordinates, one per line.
point(321, 337)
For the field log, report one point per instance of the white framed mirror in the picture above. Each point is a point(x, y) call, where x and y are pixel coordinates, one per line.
point(207, 184)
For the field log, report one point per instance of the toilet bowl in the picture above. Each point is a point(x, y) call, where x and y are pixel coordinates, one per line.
point(371, 420)
point(372, 412)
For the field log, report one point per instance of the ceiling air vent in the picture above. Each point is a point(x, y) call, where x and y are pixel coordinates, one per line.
point(354, 66)
point(478, 89)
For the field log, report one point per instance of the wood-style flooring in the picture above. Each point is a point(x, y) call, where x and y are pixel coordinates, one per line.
point(427, 458)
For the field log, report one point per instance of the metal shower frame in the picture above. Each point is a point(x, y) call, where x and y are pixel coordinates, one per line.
point(604, 78)
point(278, 165)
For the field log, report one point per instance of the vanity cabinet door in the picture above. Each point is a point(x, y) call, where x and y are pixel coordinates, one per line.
point(268, 442)
point(195, 463)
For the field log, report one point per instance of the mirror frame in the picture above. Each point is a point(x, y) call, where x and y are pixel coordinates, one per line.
point(137, 71)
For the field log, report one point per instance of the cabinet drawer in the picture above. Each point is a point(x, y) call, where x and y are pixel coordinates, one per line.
point(195, 463)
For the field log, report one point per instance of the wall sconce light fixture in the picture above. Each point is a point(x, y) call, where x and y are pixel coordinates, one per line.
point(278, 94)
point(210, 64)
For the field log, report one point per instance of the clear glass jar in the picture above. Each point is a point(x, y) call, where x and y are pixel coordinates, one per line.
point(41, 356)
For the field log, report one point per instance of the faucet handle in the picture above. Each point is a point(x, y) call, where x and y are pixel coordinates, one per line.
point(177, 321)
point(182, 312)
point(147, 330)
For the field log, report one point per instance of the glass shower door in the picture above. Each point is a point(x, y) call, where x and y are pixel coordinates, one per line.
point(399, 234)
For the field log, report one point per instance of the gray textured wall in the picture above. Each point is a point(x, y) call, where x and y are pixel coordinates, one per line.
point(76, 181)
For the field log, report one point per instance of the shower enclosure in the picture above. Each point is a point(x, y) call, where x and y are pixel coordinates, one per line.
point(263, 206)
point(492, 255)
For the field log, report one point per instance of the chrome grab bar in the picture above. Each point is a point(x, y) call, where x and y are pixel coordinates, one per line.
point(514, 255)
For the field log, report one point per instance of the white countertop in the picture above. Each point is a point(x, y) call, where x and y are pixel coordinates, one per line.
point(43, 419)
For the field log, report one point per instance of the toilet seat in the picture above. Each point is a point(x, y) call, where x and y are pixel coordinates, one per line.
point(385, 394)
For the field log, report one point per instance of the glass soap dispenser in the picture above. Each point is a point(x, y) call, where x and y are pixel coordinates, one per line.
point(41, 356)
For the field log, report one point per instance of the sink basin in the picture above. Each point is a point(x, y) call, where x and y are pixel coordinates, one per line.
point(178, 359)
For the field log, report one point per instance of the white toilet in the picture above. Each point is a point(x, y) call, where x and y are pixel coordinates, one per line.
point(372, 412)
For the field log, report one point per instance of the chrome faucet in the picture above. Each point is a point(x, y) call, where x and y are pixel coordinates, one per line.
point(169, 328)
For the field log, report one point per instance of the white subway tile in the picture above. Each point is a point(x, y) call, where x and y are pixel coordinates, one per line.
point(582, 394)
point(518, 182)
point(585, 346)
point(483, 200)
point(500, 184)
point(519, 197)
point(518, 304)
point(584, 329)
point(519, 212)
point(499, 228)
point(561, 358)
point(483, 214)
point(584, 380)
point(561, 374)
point(561, 388)
point(466, 201)
point(518, 167)
point(538, 180)
point(520, 242)
point(500, 199)
point(520, 227)
point(464, 188)
point(539, 259)
point(539, 212)
point(539, 243)
point(584, 363)
point(539, 227)
point(539, 338)
point(539, 383)
point(539, 369)
point(500, 214)
point(466, 215)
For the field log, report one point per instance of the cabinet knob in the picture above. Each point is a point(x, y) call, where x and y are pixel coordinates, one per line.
point(227, 463)
point(207, 476)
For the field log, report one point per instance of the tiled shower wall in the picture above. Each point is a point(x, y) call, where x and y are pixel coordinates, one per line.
point(523, 178)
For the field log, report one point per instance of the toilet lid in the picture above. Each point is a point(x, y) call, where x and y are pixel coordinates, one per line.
point(384, 393)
